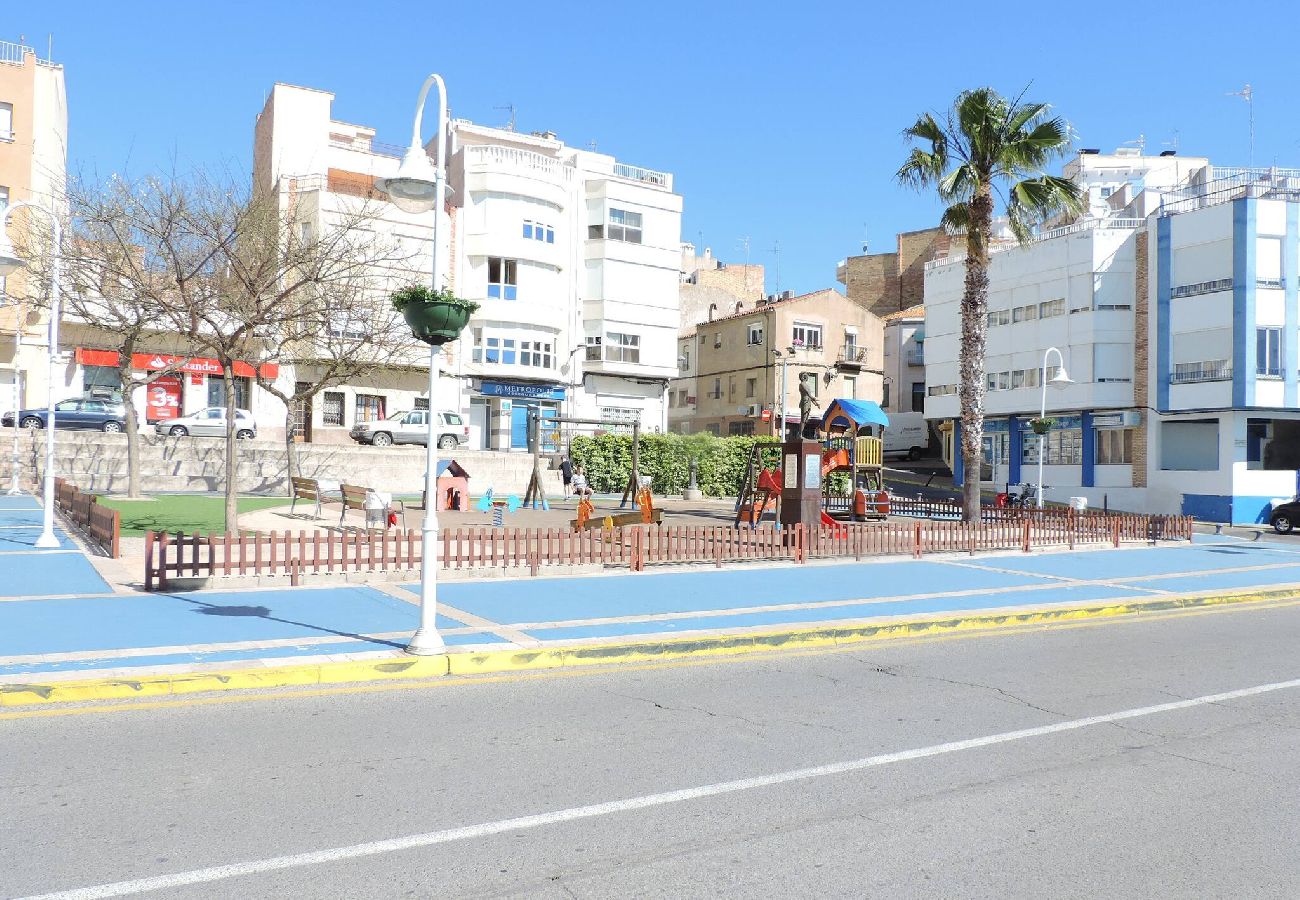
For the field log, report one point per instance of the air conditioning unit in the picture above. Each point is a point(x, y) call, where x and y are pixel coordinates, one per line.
point(754, 410)
point(1130, 418)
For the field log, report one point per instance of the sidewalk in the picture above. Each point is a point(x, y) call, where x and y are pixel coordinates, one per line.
point(60, 623)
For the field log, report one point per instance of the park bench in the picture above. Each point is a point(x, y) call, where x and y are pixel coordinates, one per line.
point(354, 497)
point(310, 491)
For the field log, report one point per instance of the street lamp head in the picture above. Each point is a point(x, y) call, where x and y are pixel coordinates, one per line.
point(1060, 379)
point(414, 188)
point(10, 261)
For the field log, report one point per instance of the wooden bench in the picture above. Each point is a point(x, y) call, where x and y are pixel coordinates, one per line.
point(354, 497)
point(621, 519)
point(309, 490)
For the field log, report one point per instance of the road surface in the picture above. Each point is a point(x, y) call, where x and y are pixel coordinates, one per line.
point(1099, 759)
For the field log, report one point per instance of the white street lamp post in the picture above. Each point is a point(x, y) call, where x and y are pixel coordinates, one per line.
point(417, 187)
point(20, 321)
point(11, 262)
point(1059, 380)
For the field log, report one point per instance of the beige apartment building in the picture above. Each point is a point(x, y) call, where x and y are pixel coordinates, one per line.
point(33, 166)
point(731, 367)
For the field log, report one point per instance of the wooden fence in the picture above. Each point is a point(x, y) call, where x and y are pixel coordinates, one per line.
point(104, 525)
point(632, 547)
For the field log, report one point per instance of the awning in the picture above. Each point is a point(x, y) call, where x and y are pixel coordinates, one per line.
point(152, 362)
point(854, 414)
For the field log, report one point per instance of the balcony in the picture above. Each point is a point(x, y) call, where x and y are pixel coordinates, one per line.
point(1191, 373)
point(851, 356)
point(915, 357)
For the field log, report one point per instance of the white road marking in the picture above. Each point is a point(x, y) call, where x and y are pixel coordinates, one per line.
point(646, 801)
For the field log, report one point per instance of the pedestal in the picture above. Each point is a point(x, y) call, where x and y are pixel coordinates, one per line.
point(801, 482)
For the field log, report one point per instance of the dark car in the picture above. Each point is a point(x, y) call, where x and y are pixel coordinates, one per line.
point(87, 414)
point(1285, 516)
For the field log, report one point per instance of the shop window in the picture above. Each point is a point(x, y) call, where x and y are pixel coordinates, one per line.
point(332, 408)
point(217, 391)
point(1062, 447)
point(101, 381)
point(370, 408)
point(1114, 446)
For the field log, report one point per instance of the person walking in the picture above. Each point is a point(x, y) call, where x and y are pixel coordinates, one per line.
point(566, 473)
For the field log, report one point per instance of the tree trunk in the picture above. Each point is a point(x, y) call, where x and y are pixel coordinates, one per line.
point(132, 428)
point(974, 337)
point(232, 450)
point(290, 447)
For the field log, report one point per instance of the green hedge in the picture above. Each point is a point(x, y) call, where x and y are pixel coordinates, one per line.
point(666, 459)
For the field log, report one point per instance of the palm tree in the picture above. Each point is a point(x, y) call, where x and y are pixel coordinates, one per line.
point(987, 145)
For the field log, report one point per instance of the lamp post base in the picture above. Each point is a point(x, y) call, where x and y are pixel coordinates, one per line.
point(426, 643)
point(47, 542)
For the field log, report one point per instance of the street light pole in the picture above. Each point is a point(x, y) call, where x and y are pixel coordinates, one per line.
point(10, 262)
point(413, 190)
point(1059, 380)
point(19, 322)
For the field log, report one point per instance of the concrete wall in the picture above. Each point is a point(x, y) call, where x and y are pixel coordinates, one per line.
point(97, 462)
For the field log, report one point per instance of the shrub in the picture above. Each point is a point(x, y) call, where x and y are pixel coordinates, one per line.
point(666, 459)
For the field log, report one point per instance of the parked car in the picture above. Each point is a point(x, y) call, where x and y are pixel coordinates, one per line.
point(1285, 516)
point(209, 422)
point(412, 427)
point(88, 414)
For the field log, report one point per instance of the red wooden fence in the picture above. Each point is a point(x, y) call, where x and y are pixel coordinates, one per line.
point(632, 547)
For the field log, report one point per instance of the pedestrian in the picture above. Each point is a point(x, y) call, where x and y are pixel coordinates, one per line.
point(580, 487)
point(566, 473)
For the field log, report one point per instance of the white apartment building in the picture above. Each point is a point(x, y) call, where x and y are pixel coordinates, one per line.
point(572, 256)
point(1174, 305)
point(904, 388)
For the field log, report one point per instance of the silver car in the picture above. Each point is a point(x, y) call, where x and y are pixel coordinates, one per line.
point(209, 422)
point(412, 427)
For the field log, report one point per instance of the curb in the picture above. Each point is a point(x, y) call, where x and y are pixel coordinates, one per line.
point(426, 667)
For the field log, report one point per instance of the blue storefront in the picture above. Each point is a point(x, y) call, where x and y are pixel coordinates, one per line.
point(501, 410)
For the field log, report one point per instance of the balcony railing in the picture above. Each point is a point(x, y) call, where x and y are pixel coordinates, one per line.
point(636, 173)
point(362, 145)
point(851, 355)
point(914, 357)
point(491, 157)
point(1190, 373)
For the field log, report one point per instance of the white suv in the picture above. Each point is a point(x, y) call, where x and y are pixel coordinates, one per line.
point(412, 427)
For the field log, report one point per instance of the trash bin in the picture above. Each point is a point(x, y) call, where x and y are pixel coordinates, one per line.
point(1079, 504)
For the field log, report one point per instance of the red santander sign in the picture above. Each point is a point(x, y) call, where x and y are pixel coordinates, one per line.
point(152, 362)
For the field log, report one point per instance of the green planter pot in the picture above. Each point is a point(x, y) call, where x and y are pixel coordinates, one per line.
point(436, 323)
point(1040, 428)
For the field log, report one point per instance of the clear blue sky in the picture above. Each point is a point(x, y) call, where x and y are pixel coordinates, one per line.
point(781, 122)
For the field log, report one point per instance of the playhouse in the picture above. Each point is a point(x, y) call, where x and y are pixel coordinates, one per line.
point(851, 445)
point(453, 486)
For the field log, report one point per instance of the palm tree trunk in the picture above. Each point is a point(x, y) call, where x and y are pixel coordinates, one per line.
point(974, 337)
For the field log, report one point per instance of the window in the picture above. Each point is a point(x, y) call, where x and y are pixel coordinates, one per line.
point(536, 231)
point(1049, 308)
point(738, 429)
point(1206, 370)
point(370, 407)
point(6, 121)
point(1114, 446)
point(999, 317)
point(535, 353)
point(716, 393)
point(934, 390)
point(101, 381)
point(850, 387)
point(1268, 352)
point(1202, 287)
point(503, 278)
point(1190, 446)
point(4, 197)
point(346, 325)
point(624, 226)
point(731, 387)
point(713, 429)
point(754, 334)
point(332, 409)
point(1064, 447)
point(751, 388)
point(806, 335)
point(884, 395)
point(918, 396)
point(423, 403)
point(476, 339)
point(622, 347)
point(681, 398)
point(217, 391)
point(684, 362)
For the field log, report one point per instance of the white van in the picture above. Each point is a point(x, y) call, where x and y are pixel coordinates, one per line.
point(907, 435)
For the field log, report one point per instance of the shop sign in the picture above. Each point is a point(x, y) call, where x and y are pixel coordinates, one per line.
point(152, 362)
point(163, 399)
point(522, 391)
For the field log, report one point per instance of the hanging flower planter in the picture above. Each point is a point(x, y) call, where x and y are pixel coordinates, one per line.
point(1041, 426)
point(435, 317)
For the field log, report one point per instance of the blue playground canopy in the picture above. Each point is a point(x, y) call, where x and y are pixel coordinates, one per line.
point(854, 414)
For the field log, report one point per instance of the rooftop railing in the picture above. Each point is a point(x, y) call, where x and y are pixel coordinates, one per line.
point(1088, 224)
point(487, 157)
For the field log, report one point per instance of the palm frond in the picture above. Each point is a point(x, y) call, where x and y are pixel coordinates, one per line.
point(1035, 199)
point(921, 169)
point(955, 219)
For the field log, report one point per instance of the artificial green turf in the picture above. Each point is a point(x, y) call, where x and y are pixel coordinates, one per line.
point(181, 512)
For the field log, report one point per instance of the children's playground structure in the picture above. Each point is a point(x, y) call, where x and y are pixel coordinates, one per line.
point(841, 475)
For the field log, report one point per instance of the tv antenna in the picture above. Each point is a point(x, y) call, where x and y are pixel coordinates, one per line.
point(1173, 145)
point(509, 107)
point(1247, 93)
point(776, 249)
point(1140, 143)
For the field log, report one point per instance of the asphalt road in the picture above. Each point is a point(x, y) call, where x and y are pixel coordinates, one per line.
point(1201, 799)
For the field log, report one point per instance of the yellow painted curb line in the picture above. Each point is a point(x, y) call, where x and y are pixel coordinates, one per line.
point(521, 660)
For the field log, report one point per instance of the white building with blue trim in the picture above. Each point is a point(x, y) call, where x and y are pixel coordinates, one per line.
point(1174, 304)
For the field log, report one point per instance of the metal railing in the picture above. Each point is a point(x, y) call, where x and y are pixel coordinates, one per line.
point(1213, 370)
point(13, 53)
point(1226, 185)
point(852, 355)
point(915, 357)
point(636, 173)
point(361, 145)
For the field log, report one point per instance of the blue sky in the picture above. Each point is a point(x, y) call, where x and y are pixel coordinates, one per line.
point(781, 122)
